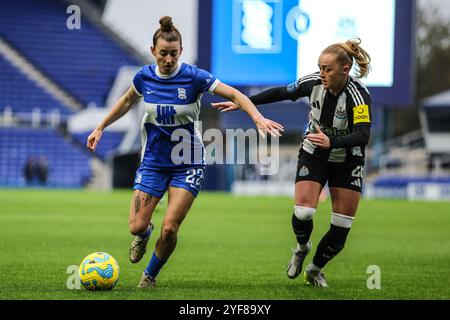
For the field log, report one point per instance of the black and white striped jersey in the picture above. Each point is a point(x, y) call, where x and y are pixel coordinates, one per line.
point(344, 118)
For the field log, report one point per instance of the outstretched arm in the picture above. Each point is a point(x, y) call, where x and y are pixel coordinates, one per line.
point(264, 125)
point(267, 96)
point(120, 108)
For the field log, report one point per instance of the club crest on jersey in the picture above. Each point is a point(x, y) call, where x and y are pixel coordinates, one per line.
point(182, 93)
point(303, 172)
point(138, 178)
point(340, 113)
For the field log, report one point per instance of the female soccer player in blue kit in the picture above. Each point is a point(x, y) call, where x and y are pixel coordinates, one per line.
point(332, 151)
point(172, 93)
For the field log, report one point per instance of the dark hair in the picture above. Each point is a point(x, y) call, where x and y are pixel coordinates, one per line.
point(351, 51)
point(166, 31)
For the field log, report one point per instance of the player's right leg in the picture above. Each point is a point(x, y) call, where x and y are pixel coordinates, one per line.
point(139, 223)
point(310, 179)
point(149, 188)
point(306, 197)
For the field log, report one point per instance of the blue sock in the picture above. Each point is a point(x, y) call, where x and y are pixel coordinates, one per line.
point(146, 234)
point(154, 266)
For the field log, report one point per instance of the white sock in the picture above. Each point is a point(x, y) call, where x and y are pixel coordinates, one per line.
point(341, 220)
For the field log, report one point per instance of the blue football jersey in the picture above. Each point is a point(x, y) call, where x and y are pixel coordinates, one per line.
point(172, 107)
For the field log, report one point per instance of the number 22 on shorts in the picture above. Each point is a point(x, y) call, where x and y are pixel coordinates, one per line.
point(195, 176)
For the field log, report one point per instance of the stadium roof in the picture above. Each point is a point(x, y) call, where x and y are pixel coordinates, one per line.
point(438, 100)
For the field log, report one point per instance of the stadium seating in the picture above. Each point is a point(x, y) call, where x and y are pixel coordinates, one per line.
point(403, 181)
point(22, 95)
point(110, 141)
point(68, 165)
point(84, 61)
point(408, 187)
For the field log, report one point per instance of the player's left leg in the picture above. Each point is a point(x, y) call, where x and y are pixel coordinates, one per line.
point(344, 205)
point(179, 202)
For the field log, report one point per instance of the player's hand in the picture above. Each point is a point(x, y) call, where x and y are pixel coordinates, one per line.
point(268, 126)
point(319, 139)
point(225, 106)
point(93, 139)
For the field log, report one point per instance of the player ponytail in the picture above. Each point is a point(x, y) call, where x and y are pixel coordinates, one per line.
point(350, 52)
point(167, 31)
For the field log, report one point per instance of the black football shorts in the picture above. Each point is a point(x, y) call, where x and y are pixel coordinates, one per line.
point(341, 175)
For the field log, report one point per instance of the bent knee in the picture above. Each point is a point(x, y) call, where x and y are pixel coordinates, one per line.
point(304, 213)
point(137, 227)
point(170, 230)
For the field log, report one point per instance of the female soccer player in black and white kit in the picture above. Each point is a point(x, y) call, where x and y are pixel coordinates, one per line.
point(332, 150)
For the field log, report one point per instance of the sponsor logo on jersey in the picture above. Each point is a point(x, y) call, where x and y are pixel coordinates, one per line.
point(303, 172)
point(182, 93)
point(361, 114)
point(328, 131)
point(334, 132)
point(165, 114)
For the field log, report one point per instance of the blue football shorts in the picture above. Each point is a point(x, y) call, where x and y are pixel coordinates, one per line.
point(156, 182)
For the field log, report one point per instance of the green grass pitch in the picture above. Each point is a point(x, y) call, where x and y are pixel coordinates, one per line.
point(229, 247)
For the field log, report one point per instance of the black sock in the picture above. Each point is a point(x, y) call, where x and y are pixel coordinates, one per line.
point(330, 245)
point(302, 229)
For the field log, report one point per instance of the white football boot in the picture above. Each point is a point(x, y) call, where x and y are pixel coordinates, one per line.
point(315, 277)
point(295, 264)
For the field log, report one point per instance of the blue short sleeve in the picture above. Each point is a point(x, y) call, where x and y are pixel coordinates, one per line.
point(138, 82)
point(206, 81)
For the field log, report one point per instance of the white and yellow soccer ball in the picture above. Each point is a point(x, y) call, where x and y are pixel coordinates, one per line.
point(99, 271)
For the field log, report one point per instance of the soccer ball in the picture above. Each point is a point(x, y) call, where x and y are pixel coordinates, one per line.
point(99, 271)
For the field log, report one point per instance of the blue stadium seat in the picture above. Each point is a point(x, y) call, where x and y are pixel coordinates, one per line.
point(68, 165)
point(403, 181)
point(110, 141)
point(22, 94)
point(84, 61)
